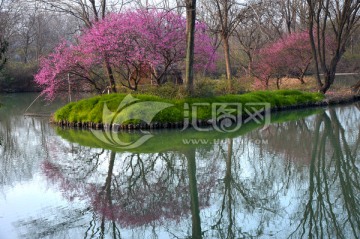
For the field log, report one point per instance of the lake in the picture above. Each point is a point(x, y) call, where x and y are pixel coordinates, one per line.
point(297, 177)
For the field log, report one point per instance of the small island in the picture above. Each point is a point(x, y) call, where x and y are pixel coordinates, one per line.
point(89, 113)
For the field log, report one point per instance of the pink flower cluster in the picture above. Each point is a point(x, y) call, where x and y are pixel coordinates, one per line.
point(136, 43)
point(289, 55)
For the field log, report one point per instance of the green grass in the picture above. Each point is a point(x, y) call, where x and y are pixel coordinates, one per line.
point(170, 140)
point(91, 110)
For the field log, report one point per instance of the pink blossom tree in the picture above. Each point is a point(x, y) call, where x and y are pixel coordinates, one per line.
point(290, 55)
point(69, 62)
point(137, 44)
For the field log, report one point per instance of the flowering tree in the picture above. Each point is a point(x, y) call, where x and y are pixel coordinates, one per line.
point(69, 62)
point(290, 55)
point(137, 44)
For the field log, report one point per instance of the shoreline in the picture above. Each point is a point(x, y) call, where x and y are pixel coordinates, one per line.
point(329, 101)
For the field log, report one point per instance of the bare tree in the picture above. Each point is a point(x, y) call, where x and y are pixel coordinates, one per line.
point(4, 19)
point(250, 35)
point(294, 14)
point(85, 11)
point(32, 32)
point(331, 19)
point(7, 22)
point(26, 35)
point(225, 16)
point(266, 21)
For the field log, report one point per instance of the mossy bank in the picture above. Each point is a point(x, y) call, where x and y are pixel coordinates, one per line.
point(123, 111)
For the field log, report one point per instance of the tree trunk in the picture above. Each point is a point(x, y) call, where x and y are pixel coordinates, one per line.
point(228, 61)
point(278, 83)
point(344, 20)
point(356, 88)
point(190, 36)
point(302, 73)
point(111, 78)
point(329, 78)
point(250, 64)
point(301, 79)
point(330, 73)
point(313, 48)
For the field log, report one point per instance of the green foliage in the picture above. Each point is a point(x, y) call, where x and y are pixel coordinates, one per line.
point(91, 110)
point(205, 87)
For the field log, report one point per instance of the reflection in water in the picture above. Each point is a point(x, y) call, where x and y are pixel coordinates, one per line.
point(332, 208)
point(293, 179)
point(135, 191)
point(193, 191)
point(22, 139)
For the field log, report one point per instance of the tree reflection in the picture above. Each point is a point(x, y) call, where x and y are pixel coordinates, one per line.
point(277, 169)
point(73, 180)
point(105, 197)
point(22, 140)
point(239, 187)
point(194, 196)
point(138, 190)
point(227, 201)
point(333, 198)
point(244, 197)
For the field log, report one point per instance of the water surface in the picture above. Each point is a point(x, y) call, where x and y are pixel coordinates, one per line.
point(296, 178)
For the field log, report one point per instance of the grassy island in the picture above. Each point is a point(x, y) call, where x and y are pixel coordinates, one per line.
point(91, 111)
